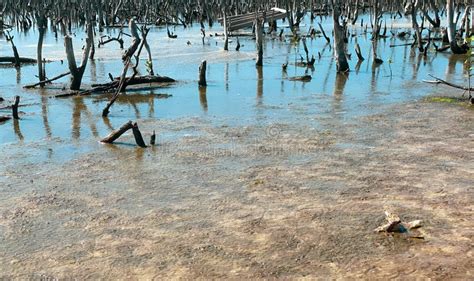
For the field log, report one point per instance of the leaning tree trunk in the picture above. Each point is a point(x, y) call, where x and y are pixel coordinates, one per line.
point(78, 72)
point(415, 25)
point(455, 48)
point(339, 45)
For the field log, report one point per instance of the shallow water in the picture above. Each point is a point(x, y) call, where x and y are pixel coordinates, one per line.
point(236, 91)
point(258, 177)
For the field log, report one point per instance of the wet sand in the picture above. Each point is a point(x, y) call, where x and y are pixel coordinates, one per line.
point(279, 201)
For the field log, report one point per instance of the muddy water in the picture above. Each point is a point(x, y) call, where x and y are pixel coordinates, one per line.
point(257, 176)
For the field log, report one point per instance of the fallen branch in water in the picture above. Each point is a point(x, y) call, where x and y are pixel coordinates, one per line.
point(117, 133)
point(46, 81)
point(13, 60)
point(111, 39)
point(441, 81)
point(4, 118)
point(442, 48)
point(111, 86)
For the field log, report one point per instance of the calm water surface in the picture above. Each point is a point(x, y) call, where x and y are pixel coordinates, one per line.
point(238, 93)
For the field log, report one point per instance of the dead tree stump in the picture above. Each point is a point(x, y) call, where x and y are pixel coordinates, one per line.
point(259, 41)
point(202, 74)
point(138, 136)
point(15, 107)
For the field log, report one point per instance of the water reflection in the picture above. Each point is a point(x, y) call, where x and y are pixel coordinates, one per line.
point(203, 98)
point(226, 76)
point(259, 85)
point(44, 115)
point(107, 123)
point(18, 75)
point(93, 70)
point(357, 67)
point(340, 83)
point(16, 128)
point(416, 65)
point(78, 106)
point(453, 61)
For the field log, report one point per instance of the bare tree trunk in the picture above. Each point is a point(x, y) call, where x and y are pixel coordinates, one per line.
point(149, 63)
point(202, 74)
point(415, 25)
point(100, 15)
point(375, 22)
point(226, 37)
point(16, 56)
point(467, 24)
point(290, 16)
point(259, 41)
point(455, 48)
point(78, 72)
point(339, 46)
point(42, 24)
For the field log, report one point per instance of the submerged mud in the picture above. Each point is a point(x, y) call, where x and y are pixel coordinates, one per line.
point(279, 200)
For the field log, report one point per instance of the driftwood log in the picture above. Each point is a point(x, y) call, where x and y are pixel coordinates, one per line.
point(111, 86)
point(117, 133)
point(13, 60)
point(113, 136)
